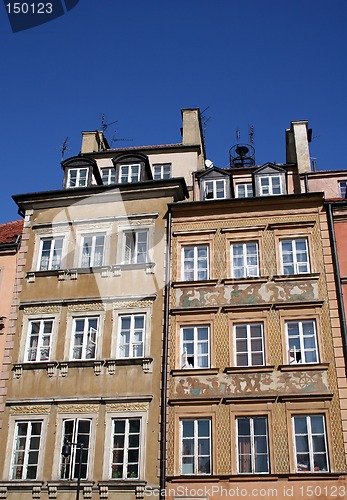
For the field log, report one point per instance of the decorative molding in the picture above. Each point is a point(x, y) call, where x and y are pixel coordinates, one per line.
point(30, 277)
point(97, 367)
point(93, 306)
point(131, 304)
point(111, 366)
point(49, 309)
point(3, 492)
point(103, 491)
point(87, 492)
point(18, 370)
point(51, 369)
point(78, 408)
point(36, 493)
point(32, 410)
point(52, 491)
point(64, 369)
point(127, 407)
point(140, 492)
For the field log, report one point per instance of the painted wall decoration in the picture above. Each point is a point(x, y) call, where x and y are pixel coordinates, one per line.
point(248, 293)
point(274, 383)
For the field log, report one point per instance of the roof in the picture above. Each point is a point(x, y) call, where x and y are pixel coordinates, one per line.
point(10, 231)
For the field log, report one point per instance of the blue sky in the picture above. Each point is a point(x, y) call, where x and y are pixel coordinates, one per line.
point(263, 63)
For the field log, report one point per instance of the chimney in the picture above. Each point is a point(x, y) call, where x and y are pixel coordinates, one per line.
point(297, 149)
point(93, 142)
point(192, 131)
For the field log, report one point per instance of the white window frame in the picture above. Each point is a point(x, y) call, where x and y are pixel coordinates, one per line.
point(40, 340)
point(248, 190)
point(93, 247)
point(27, 450)
point(87, 343)
point(162, 171)
point(299, 355)
point(295, 261)
point(129, 175)
point(197, 344)
point(195, 260)
point(214, 183)
point(131, 253)
point(75, 450)
point(250, 352)
point(126, 474)
point(247, 269)
point(133, 344)
point(252, 443)
point(52, 251)
point(195, 438)
point(78, 171)
point(108, 175)
point(268, 190)
point(299, 468)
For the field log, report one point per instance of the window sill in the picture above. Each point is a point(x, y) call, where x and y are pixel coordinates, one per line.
point(299, 367)
point(248, 279)
point(61, 368)
point(250, 369)
point(197, 283)
point(296, 277)
point(181, 372)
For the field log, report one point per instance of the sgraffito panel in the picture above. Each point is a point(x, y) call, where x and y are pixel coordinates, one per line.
point(270, 384)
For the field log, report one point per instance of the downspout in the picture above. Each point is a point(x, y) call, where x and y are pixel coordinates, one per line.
point(340, 303)
point(163, 412)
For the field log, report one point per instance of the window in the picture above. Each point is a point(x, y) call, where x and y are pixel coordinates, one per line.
point(343, 188)
point(108, 175)
point(302, 341)
point(252, 445)
point(295, 259)
point(75, 448)
point(214, 189)
point(195, 263)
point(125, 449)
point(270, 185)
point(195, 347)
point(77, 177)
point(244, 259)
point(26, 447)
point(310, 443)
point(244, 190)
point(131, 335)
point(135, 247)
point(249, 344)
point(93, 247)
point(162, 171)
point(129, 173)
point(50, 254)
point(195, 446)
point(84, 338)
point(39, 340)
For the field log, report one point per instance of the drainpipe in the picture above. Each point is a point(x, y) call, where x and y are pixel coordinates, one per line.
point(338, 281)
point(163, 412)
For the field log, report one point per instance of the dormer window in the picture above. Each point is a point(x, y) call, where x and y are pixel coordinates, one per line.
point(129, 173)
point(270, 180)
point(270, 185)
point(80, 172)
point(162, 171)
point(77, 177)
point(214, 189)
point(244, 190)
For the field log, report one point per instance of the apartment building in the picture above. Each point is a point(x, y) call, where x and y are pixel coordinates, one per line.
point(82, 412)
point(256, 391)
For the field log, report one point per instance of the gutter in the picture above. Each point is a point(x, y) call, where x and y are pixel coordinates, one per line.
point(11, 246)
point(163, 406)
point(336, 266)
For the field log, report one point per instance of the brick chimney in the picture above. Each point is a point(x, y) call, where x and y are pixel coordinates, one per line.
point(93, 142)
point(297, 148)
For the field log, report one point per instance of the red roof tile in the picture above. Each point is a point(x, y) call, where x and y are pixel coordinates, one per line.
point(10, 231)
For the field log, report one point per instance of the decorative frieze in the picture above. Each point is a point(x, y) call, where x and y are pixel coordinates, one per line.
point(32, 409)
point(78, 408)
point(49, 309)
point(88, 306)
point(134, 406)
point(131, 304)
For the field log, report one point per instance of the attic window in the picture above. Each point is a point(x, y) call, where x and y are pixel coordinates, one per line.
point(77, 177)
point(129, 173)
point(270, 185)
point(214, 189)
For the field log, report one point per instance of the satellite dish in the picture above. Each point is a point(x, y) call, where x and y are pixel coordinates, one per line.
point(208, 163)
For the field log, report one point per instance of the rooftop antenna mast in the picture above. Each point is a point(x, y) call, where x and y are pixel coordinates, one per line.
point(63, 148)
point(104, 125)
point(115, 139)
point(251, 134)
point(204, 120)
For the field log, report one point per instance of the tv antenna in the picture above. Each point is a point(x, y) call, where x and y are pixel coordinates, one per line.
point(116, 139)
point(204, 120)
point(238, 135)
point(63, 148)
point(251, 134)
point(104, 125)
